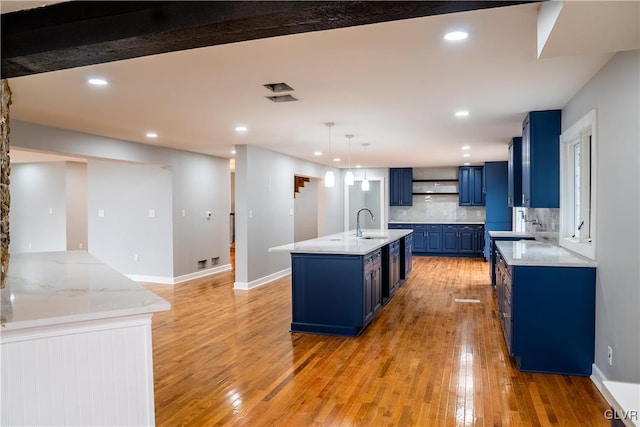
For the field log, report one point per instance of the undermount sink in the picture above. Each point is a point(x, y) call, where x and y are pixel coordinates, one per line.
point(374, 236)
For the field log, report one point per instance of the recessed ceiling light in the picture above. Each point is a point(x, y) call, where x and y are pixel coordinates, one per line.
point(358, 166)
point(233, 151)
point(467, 163)
point(152, 135)
point(465, 147)
point(466, 155)
point(95, 81)
point(455, 36)
point(336, 159)
point(462, 113)
point(317, 153)
point(241, 129)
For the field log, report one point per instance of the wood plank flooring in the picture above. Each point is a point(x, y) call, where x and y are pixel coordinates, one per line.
point(225, 357)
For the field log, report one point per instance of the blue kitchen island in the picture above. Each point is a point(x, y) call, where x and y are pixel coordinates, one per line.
point(340, 281)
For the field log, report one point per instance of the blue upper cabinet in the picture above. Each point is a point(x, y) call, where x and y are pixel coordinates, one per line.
point(400, 187)
point(541, 159)
point(496, 197)
point(471, 184)
point(514, 198)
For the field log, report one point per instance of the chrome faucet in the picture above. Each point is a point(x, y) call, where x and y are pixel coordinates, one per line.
point(358, 230)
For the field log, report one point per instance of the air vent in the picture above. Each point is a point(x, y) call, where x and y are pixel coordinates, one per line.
point(281, 98)
point(278, 87)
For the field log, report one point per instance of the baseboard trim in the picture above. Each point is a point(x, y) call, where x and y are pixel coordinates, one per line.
point(202, 273)
point(162, 280)
point(597, 377)
point(246, 286)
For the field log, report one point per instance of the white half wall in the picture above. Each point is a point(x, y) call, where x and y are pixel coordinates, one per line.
point(615, 94)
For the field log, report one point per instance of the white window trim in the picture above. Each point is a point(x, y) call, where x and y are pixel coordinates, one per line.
point(587, 249)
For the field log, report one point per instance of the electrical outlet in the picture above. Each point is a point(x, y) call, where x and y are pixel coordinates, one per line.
point(136, 258)
point(610, 355)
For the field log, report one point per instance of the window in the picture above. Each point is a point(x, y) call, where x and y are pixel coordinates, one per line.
point(577, 186)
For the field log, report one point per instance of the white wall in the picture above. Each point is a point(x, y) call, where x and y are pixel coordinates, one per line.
point(76, 194)
point(264, 206)
point(615, 93)
point(122, 232)
point(200, 183)
point(38, 207)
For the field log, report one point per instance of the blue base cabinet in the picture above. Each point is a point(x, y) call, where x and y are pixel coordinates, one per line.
point(390, 270)
point(548, 317)
point(446, 239)
point(406, 257)
point(335, 294)
point(493, 251)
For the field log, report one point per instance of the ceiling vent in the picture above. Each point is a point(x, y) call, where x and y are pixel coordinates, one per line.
point(278, 87)
point(281, 98)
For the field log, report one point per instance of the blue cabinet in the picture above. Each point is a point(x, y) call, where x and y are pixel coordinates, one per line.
point(450, 238)
point(514, 195)
point(548, 316)
point(406, 257)
point(401, 187)
point(471, 186)
point(390, 270)
point(541, 159)
point(433, 238)
point(498, 212)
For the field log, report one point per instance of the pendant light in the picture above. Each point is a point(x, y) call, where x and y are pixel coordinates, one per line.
point(365, 181)
point(348, 177)
point(329, 177)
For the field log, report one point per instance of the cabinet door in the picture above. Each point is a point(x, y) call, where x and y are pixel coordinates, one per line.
point(514, 182)
point(450, 239)
point(479, 240)
point(478, 186)
point(434, 238)
point(467, 239)
point(526, 163)
point(464, 186)
point(419, 238)
point(408, 255)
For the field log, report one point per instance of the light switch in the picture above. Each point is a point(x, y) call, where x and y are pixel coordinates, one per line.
point(50, 211)
point(184, 212)
point(250, 214)
point(152, 213)
point(100, 212)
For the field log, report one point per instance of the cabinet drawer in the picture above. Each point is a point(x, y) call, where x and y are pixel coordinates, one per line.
point(434, 227)
point(451, 227)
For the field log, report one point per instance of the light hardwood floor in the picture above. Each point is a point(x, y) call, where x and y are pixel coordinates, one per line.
point(225, 357)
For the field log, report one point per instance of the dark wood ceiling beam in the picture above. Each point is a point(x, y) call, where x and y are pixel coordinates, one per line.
point(79, 33)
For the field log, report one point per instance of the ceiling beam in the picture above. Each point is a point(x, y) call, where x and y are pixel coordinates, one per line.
point(79, 33)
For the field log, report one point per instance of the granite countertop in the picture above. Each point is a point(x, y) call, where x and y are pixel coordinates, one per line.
point(345, 243)
point(438, 222)
point(61, 287)
point(534, 253)
point(522, 234)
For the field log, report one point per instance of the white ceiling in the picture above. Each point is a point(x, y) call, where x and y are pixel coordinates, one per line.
point(394, 85)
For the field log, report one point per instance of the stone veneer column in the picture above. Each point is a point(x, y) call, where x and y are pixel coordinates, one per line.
point(5, 199)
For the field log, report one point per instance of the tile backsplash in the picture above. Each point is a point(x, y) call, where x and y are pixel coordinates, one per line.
point(436, 208)
point(547, 223)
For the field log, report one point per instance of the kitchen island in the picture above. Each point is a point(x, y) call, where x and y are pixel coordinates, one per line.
point(76, 343)
point(546, 304)
point(340, 281)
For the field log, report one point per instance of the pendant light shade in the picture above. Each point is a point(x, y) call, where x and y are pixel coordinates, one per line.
point(329, 177)
point(348, 177)
point(365, 181)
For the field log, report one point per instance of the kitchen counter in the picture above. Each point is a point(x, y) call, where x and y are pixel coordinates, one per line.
point(76, 343)
point(51, 288)
point(510, 234)
point(534, 253)
point(345, 243)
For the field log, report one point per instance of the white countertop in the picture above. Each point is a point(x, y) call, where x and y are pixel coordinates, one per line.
point(534, 253)
point(521, 234)
point(625, 399)
point(62, 287)
point(345, 243)
point(439, 222)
